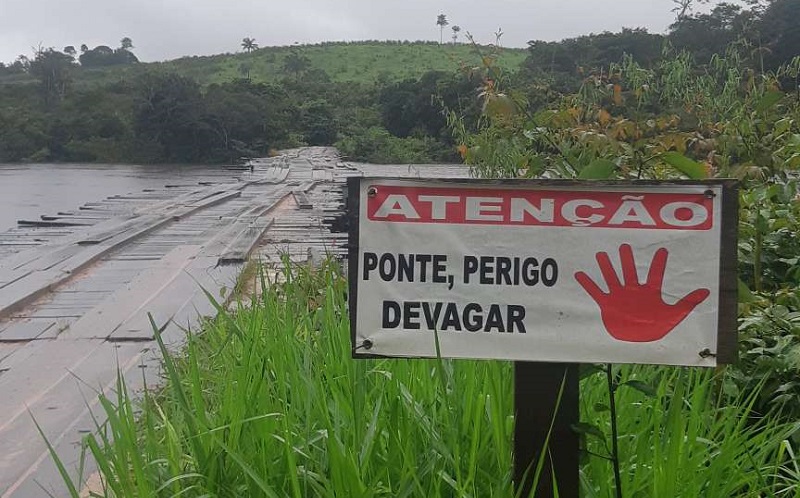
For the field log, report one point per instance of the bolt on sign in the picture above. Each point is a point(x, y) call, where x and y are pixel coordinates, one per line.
point(548, 270)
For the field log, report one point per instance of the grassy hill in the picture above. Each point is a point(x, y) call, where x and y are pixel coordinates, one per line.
point(353, 95)
point(342, 62)
point(369, 61)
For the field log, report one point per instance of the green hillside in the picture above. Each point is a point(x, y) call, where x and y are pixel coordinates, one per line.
point(342, 62)
point(378, 101)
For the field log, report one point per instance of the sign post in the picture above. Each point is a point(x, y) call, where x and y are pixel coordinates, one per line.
point(547, 274)
point(546, 400)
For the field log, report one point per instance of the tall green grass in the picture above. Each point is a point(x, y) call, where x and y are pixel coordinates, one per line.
point(267, 402)
point(685, 439)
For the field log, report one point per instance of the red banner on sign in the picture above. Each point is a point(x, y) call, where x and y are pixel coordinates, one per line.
point(559, 208)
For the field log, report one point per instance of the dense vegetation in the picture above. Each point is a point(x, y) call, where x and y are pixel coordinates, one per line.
point(378, 102)
point(674, 117)
point(268, 403)
point(222, 108)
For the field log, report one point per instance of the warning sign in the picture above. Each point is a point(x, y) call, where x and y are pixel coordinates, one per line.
point(555, 271)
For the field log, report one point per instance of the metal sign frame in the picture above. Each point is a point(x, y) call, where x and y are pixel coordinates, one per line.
point(726, 350)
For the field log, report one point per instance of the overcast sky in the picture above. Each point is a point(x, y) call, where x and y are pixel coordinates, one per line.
point(166, 29)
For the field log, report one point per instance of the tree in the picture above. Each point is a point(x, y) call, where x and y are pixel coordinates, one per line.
point(23, 133)
point(52, 69)
point(22, 63)
point(244, 70)
point(780, 29)
point(103, 55)
point(249, 44)
point(497, 35)
point(441, 21)
point(682, 8)
point(84, 48)
point(707, 34)
point(318, 122)
point(70, 50)
point(126, 43)
point(296, 63)
point(456, 29)
point(123, 56)
point(168, 118)
point(414, 107)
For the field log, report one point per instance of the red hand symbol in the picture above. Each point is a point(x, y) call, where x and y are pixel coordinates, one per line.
point(635, 312)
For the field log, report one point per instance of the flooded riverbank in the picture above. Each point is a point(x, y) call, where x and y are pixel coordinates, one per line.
point(30, 190)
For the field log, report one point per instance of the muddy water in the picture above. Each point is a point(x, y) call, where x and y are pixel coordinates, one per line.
point(30, 190)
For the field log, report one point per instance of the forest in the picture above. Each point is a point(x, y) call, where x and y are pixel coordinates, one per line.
point(376, 101)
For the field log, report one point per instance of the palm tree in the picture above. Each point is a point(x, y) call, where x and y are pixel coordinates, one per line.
point(441, 21)
point(249, 44)
point(126, 43)
point(456, 29)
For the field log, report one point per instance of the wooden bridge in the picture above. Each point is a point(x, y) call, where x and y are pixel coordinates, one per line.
point(76, 288)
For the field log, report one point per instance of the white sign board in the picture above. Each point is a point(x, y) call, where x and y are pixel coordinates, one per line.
point(554, 271)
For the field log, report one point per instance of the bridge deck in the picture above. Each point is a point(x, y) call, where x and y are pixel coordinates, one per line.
point(76, 288)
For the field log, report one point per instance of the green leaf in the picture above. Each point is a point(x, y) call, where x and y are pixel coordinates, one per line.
point(768, 100)
point(782, 126)
point(588, 369)
point(688, 167)
point(640, 386)
point(535, 167)
point(794, 161)
point(745, 296)
point(599, 169)
point(601, 407)
point(588, 430)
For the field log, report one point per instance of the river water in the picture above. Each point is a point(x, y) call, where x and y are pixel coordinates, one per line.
point(30, 190)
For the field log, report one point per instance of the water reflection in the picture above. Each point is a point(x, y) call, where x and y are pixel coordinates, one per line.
point(28, 191)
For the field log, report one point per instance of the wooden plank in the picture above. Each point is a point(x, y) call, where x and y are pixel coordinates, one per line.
point(33, 235)
point(6, 350)
point(206, 203)
point(47, 217)
point(26, 380)
point(302, 200)
point(9, 277)
point(19, 243)
point(120, 306)
point(174, 201)
point(309, 186)
point(25, 290)
point(115, 229)
point(183, 300)
point(26, 330)
point(51, 259)
point(47, 307)
point(59, 397)
point(243, 243)
point(53, 315)
point(103, 209)
point(114, 263)
point(58, 309)
point(163, 305)
point(77, 299)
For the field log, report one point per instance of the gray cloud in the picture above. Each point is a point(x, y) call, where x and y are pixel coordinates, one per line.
point(165, 29)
